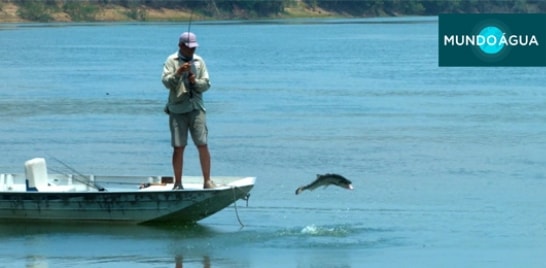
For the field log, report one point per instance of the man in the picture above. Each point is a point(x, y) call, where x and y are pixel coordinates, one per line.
point(185, 75)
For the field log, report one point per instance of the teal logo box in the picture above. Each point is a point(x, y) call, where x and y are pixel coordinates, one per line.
point(492, 40)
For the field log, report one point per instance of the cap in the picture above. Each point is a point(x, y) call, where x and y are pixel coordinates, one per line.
point(189, 39)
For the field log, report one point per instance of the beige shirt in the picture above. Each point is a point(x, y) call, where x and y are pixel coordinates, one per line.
point(184, 97)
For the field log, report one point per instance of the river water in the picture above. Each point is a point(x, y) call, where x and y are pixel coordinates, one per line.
point(447, 163)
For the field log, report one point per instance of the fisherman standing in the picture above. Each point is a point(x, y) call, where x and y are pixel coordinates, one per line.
point(185, 75)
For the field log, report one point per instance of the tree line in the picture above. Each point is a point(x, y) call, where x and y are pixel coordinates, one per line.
point(85, 10)
point(429, 7)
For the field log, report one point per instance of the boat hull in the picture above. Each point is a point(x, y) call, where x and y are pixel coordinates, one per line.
point(131, 206)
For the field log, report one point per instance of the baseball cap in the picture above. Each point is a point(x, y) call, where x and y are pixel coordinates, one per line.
point(189, 39)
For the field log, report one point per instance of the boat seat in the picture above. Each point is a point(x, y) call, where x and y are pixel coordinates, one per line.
point(36, 174)
point(8, 182)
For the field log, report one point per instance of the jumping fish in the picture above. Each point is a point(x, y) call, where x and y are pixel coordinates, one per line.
point(325, 180)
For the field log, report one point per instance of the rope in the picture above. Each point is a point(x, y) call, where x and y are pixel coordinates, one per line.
point(235, 204)
point(236, 210)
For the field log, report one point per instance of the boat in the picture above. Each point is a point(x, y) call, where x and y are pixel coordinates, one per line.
point(36, 195)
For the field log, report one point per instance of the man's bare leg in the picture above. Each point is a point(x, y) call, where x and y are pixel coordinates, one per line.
point(204, 158)
point(177, 162)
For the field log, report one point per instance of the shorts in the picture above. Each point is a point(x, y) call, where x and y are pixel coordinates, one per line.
point(195, 122)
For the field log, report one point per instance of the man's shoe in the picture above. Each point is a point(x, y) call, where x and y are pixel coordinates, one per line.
point(178, 186)
point(209, 185)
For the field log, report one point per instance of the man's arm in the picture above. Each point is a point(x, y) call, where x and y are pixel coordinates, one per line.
point(169, 77)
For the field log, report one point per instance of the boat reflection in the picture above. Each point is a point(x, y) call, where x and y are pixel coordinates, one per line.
point(179, 262)
point(44, 244)
point(30, 229)
point(33, 261)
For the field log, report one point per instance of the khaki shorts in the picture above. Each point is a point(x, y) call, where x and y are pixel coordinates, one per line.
point(195, 122)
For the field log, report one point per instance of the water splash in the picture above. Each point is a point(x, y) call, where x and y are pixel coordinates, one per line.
point(314, 230)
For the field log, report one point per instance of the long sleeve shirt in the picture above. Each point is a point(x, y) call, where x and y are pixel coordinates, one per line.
point(183, 96)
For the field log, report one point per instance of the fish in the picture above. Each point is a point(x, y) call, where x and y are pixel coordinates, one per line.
point(325, 180)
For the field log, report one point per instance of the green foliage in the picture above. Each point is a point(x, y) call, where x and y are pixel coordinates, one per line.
point(429, 7)
point(85, 10)
point(134, 11)
point(251, 8)
point(80, 11)
point(34, 11)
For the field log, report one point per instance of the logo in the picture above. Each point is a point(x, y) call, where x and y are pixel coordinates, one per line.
point(492, 40)
point(490, 43)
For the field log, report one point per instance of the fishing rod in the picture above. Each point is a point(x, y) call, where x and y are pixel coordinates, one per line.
point(191, 59)
point(83, 179)
point(188, 36)
point(189, 23)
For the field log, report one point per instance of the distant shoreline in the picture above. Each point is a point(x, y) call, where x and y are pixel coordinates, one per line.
point(117, 13)
point(19, 11)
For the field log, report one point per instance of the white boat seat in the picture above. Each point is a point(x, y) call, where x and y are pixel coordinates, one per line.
point(36, 174)
point(9, 182)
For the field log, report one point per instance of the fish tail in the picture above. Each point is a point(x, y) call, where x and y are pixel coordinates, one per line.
point(299, 190)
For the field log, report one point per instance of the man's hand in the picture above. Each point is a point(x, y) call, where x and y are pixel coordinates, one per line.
point(191, 78)
point(186, 67)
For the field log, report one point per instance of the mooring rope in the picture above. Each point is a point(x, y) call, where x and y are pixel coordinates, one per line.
point(235, 204)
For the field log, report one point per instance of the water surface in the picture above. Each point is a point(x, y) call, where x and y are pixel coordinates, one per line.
point(447, 163)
